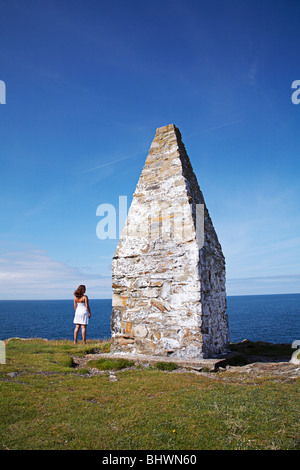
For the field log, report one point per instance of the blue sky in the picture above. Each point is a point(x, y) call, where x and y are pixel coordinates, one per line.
point(87, 84)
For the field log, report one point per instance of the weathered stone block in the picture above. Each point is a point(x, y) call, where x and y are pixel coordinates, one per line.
point(169, 296)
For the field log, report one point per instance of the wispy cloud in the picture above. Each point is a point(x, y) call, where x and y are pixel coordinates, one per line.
point(32, 274)
point(128, 157)
point(215, 128)
point(252, 73)
point(112, 162)
point(285, 284)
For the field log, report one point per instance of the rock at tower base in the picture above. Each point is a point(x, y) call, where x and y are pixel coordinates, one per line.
point(168, 272)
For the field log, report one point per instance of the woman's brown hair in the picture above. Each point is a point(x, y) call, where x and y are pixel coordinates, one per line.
point(79, 291)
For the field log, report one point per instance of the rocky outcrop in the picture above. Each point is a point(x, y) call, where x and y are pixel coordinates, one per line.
point(168, 271)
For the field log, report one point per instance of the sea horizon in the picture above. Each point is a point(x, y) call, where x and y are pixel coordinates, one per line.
point(271, 318)
point(110, 298)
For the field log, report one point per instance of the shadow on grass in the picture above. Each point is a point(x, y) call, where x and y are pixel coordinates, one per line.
point(248, 352)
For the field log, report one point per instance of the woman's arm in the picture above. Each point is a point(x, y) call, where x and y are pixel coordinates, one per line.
point(75, 304)
point(86, 300)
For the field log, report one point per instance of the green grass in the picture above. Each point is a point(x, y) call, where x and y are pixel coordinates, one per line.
point(110, 364)
point(51, 405)
point(168, 366)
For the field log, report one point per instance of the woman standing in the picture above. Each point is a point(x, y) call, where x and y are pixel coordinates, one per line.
point(82, 313)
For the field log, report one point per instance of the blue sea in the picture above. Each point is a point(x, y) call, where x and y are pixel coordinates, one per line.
point(271, 318)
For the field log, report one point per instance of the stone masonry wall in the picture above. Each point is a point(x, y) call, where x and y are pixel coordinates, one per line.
point(168, 271)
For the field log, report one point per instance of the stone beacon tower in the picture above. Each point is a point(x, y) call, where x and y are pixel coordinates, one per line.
point(168, 272)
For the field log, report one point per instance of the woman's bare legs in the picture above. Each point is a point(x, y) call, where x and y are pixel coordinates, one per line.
point(76, 331)
point(83, 332)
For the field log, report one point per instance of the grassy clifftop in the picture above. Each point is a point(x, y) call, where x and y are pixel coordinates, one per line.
point(51, 399)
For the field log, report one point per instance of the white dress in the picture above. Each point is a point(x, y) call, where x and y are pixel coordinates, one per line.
point(81, 314)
